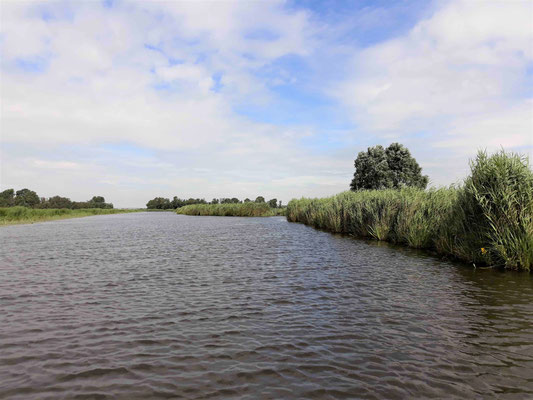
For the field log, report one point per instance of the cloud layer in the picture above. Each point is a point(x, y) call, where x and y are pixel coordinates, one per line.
point(207, 99)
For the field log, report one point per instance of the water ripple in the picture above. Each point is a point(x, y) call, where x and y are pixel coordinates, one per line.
point(155, 305)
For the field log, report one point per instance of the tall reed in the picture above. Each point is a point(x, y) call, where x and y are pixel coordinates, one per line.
point(231, 210)
point(488, 220)
point(20, 215)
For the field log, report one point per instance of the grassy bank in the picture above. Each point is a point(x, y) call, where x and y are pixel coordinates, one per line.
point(231, 210)
point(486, 221)
point(24, 215)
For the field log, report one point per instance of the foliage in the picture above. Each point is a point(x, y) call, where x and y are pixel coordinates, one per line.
point(21, 215)
point(56, 202)
point(273, 203)
point(488, 220)
point(249, 209)
point(26, 198)
point(259, 199)
point(161, 203)
point(7, 198)
point(390, 168)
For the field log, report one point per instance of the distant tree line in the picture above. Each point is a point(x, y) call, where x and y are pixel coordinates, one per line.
point(161, 203)
point(29, 198)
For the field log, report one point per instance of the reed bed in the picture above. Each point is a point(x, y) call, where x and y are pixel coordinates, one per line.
point(486, 221)
point(25, 215)
point(231, 210)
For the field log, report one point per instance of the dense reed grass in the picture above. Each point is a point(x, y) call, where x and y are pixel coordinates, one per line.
point(25, 215)
point(231, 210)
point(486, 221)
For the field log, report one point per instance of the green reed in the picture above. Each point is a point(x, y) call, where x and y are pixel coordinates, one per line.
point(231, 210)
point(487, 220)
point(23, 215)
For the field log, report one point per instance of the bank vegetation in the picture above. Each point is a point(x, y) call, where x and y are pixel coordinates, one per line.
point(26, 215)
point(485, 221)
point(248, 209)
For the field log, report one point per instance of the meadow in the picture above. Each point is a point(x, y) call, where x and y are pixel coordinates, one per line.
point(485, 221)
point(248, 209)
point(25, 215)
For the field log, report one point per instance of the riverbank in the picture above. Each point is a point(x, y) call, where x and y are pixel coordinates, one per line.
point(25, 215)
point(231, 210)
point(487, 221)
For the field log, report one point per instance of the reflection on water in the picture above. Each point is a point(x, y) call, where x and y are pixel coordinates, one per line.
point(155, 305)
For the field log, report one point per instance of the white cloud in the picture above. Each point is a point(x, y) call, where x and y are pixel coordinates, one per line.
point(459, 77)
point(167, 76)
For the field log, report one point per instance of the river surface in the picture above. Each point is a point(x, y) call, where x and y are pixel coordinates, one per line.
point(158, 305)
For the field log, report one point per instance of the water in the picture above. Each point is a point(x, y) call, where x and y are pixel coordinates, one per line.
point(156, 305)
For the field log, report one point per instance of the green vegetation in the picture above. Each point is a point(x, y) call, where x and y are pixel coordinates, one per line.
point(161, 203)
point(25, 215)
point(248, 209)
point(390, 168)
point(488, 220)
point(28, 198)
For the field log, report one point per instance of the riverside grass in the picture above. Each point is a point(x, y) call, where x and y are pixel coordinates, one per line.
point(25, 215)
point(231, 210)
point(486, 221)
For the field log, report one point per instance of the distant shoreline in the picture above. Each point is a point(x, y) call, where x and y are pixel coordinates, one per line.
point(231, 210)
point(25, 215)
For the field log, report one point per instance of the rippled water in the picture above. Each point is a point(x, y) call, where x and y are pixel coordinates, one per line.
point(156, 305)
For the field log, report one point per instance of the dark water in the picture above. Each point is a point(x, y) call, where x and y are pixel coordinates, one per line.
point(156, 305)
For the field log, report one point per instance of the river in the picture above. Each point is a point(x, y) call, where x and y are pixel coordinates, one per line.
point(158, 305)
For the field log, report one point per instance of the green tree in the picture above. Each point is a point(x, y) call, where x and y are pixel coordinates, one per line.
point(247, 200)
point(57, 202)
point(7, 198)
point(390, 168)
point(235, 200)
point(260, 199)
point(159, 203)
point(273, 203)
point(26, 198)
point(214, 201)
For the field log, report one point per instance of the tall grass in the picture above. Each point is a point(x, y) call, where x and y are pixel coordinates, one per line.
point(488, 220)
point(231, 210)
point(21, 215)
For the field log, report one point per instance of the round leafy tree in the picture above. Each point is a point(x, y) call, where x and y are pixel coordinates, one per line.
point(390, 168)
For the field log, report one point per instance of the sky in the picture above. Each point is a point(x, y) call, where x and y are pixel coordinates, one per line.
point(137, 99)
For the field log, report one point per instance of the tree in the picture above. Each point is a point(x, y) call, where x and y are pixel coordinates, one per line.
point(273, 203)
point(390, 168)
point(260, 199)
point(26, 198)
point(7, 198)
point(214, 201)
point(159, 203)
point(57, 202)
point(247, 200)
point(235, 200)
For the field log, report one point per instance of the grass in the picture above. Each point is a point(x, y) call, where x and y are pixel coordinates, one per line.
point(231, 210)
point(24, 215)
point(486, 221)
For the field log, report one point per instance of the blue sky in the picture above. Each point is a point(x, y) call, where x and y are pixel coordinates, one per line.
point(132, 100)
